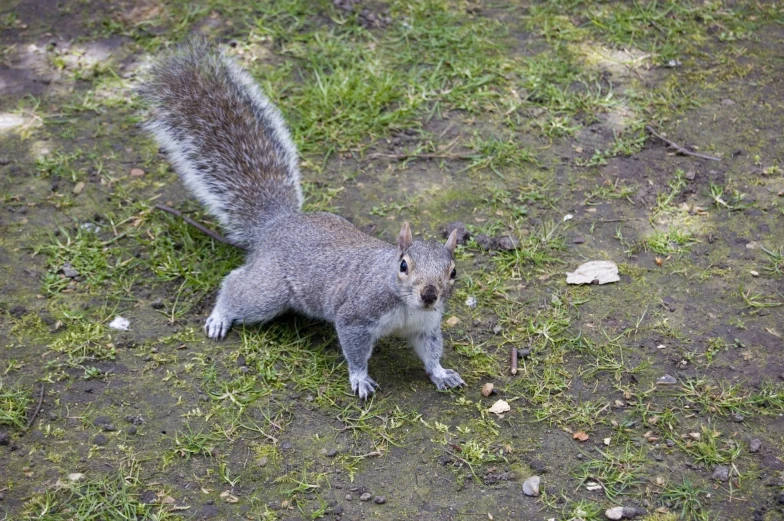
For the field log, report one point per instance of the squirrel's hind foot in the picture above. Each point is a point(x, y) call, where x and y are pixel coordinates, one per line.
point(447, 379)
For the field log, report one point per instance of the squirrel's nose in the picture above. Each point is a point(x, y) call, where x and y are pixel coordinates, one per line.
point(429, 294)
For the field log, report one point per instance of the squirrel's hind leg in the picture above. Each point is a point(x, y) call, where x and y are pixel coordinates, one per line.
point(246, 299)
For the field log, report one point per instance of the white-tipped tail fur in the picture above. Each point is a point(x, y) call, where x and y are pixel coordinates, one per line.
point(226, 140)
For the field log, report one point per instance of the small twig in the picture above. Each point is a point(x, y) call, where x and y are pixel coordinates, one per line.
point(37, 408)
point(679, 149)
point(203, 229)
point(514, 361)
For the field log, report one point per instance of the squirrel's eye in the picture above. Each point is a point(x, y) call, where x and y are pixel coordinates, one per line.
point(453, 274)
point(404, 267)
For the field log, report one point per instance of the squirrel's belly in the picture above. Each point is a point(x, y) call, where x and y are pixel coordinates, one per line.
point(404, 321)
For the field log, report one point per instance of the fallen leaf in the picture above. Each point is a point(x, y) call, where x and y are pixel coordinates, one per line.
point(452, 321)
point(500, 407)
point(580, 435)
point(594, 272)
point(168, 500)
point(607, 441)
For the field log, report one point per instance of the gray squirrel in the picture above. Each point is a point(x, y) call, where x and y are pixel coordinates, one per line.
point(231, 148)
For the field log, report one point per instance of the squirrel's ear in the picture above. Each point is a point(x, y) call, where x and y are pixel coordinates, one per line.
point(451, 242)
point(404, 240)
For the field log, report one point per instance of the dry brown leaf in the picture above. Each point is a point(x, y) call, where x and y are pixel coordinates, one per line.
point(580, 435)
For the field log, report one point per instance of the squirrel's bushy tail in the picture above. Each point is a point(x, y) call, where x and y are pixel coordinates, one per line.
point(226, 140)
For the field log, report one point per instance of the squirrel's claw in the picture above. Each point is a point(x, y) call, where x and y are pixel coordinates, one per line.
point(448, 379)
point(363, 386)
point(216, 327)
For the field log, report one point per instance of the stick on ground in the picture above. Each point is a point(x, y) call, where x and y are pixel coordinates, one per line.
point(513, 361)
point(37, 407)
point(203, 229)
point(679, 149)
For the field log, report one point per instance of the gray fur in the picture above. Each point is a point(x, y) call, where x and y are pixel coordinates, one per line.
point(232, 152)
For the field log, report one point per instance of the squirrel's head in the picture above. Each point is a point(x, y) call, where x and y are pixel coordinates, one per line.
point(425, 270)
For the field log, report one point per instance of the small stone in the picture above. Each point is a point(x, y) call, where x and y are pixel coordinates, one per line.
point(507, 243)
point(349, 497)
point(578, 239)
point(286, 446)
point(462, 234)
point(721, 473)
point(537, 466)
point(690, 175)
point(523, 353)
point(632, 512)
point(262, 462)
point(332, 453)
point(738, 417)
point(755, 445)
point(379, 500)
point(75, 477)
point(614, 513)
point(131, 430)
point(727, 102)
point(137, 172)
point(670, 443)
point(531, 486)
point(241, 362)
point(157, 304)
point(109, 427)
point(100, 440)
point(485, 241)
point(366, 496)
point(487, 389)
point(497, 329)
point(666, 380)
point(78, 188)
point(68, 271)
point(338, 510)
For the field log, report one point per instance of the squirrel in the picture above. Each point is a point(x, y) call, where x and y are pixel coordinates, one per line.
point(230, 146)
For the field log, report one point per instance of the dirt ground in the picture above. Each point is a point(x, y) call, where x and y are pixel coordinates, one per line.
point(528, 122)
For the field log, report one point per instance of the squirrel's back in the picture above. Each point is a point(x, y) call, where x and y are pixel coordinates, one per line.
point(226, 140)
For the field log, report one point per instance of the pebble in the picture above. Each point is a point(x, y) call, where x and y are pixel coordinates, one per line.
point(632, 512)
point(721, 473)
point(137, 172)
point(485, 241)
point(4, 439)
point(338, 510)
point(78, 188)
point(241, 362)
point(332, 453)
point(666, 380)
point(349, 497)
point(131, 430)
point(738, 417)
point(285, 446)
point(755, 445)
point(507, 243)
point(462, 234)
point(379, 500)
point(69, 271)
point(157, 304)
point(531, 486)
point(614, 513)
point(670, 443)
point(109, 427)
point(366, 496)
point(100, 440)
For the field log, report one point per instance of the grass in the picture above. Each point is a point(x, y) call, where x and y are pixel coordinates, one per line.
point(516, 103)
point(14, 403)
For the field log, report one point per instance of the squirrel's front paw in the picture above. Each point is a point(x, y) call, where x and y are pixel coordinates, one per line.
point(446, 379)
point(362, 385)
point(217, 326)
